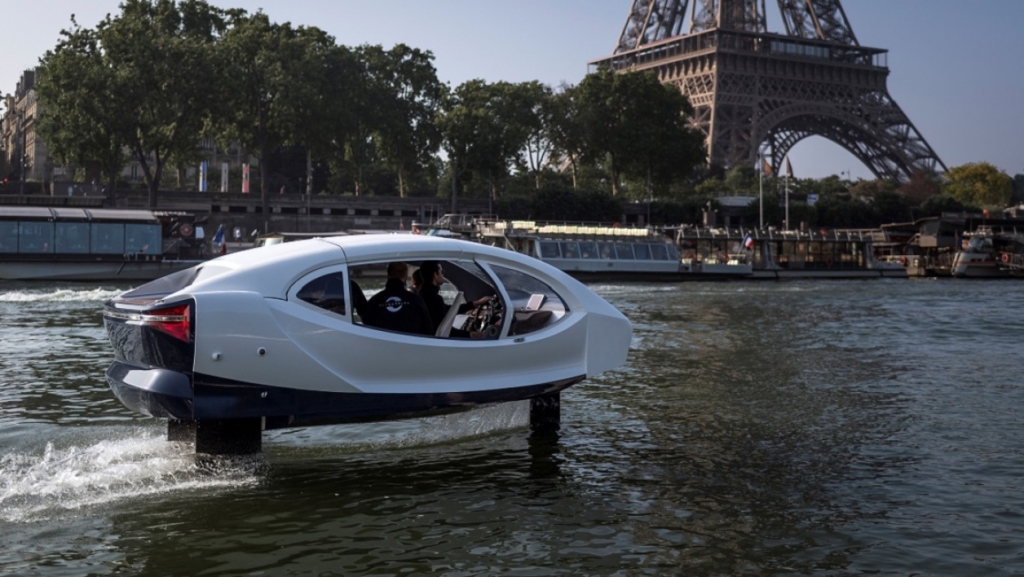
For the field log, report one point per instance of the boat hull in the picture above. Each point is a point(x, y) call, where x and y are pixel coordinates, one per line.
point(828, 274)
point(91, 271)
point(172, 395)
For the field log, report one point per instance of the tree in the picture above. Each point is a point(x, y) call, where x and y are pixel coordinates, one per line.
point(338, 105)
point(408, 95)
point(741, 178)
point(1018, 189)
point(869, 189)
point(566, 130)
point(152, 65)
point(979, 184)
point(535, 111)
point(270, 96)
point(940, 203)
point(483, 130)
point(639, 126)
point(75, 119)
point(921, 186)
point(890, 206)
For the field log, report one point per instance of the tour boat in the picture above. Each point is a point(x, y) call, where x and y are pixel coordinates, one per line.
point(793, 254)
point(88, 244)
point(274, 337)
point(592, 252)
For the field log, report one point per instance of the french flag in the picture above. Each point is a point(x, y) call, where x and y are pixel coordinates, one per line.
point(218, 241)
point(748, 242)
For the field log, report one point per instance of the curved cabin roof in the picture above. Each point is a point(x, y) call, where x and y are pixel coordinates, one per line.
point(270, 270)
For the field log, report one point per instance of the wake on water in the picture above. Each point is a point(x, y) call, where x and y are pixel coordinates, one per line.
point(50, 294)
point(35, 486)
point(143, 463)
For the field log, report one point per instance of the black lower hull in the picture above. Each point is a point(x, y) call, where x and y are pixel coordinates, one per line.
point(171, 395)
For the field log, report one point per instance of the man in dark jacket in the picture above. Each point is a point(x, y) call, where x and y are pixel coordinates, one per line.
point(433, 278)
point(396, 308)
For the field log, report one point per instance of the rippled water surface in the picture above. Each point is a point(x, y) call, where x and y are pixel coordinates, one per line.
point(775, 428)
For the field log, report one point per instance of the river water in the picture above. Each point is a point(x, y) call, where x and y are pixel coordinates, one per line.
point(759, 428)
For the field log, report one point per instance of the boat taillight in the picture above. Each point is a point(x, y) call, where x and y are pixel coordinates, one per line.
point(173, 320)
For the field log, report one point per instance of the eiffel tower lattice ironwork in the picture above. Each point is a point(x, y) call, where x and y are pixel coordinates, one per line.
point(756, 92)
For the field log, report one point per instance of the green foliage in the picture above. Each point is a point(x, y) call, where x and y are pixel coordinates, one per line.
point(743, 179)
point(672, 212)
point(889, 206)
point(407, 95)
point(938, 204)
point(1018, 189)
point(566, 204)
point(921, 186)
point(272, 82)
point(485, 127)
point(869, 189)
point(139, 80)
point(637, 127)
point(979, 184)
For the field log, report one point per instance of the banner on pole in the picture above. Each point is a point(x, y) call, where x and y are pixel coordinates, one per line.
point(202, 175)
point(224, 169)
point(245, 178)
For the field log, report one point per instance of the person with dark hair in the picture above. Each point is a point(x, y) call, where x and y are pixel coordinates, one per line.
point(396, 308)
point(433, 278)
point(417, 281)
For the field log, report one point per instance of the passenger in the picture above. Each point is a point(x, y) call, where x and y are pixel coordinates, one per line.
point(433, 278)
point(396, 308)
point(358, 298)
point(417, 281)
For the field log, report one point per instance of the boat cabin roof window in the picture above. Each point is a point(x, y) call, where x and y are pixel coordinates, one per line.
point(642, 251)
point(535, 304)
point(660, 252)
point(326, 292)
point(624, 251)
point(607, 250)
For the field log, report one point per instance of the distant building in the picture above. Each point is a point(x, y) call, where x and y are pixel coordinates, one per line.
point(26, 157)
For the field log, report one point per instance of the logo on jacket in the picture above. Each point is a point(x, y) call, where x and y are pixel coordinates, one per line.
point(394, 304)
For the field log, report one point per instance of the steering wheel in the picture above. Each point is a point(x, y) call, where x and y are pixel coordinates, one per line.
point(486, 318)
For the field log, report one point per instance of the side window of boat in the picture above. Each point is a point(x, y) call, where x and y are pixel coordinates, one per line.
point(143, 239)
point(624, 251)
point(549, 249)
point(72, 237)
point(588, 250)
point(36, 237)
point(326, 292)
point(8, 236)
point(535, 305)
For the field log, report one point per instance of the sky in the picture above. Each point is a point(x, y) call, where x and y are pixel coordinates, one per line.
point(955, 66)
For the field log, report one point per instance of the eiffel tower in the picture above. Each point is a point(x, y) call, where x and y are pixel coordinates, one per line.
point(756, 93)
